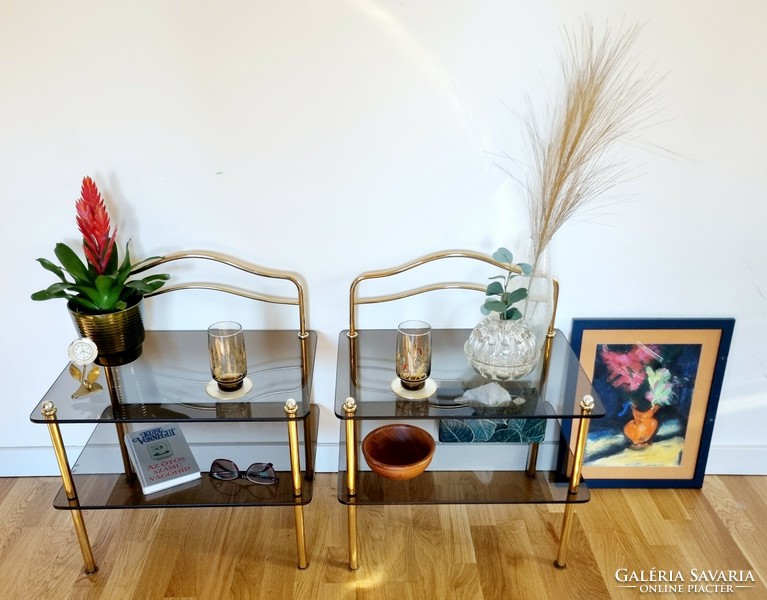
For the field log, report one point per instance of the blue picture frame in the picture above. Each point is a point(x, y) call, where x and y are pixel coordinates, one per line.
point(660, 381)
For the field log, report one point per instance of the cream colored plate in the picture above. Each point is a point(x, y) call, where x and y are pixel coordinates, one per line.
point(214, 392)
point(428, 389)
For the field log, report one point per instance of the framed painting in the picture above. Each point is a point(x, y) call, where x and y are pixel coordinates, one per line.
point(659, 380)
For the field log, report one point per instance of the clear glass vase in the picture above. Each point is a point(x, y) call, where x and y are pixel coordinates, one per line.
point(538, 308)
point(502, 350)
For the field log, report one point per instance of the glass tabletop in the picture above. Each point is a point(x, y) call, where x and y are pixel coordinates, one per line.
point(365, 372)
point(168, 382)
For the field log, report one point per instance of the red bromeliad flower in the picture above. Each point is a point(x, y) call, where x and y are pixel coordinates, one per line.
point(93, 222)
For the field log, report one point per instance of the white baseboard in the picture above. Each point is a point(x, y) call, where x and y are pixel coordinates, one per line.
point(41, 462)
point(737, 460)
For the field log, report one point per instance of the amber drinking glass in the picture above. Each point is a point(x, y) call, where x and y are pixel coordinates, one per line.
point(228, 361)
point(413, 354)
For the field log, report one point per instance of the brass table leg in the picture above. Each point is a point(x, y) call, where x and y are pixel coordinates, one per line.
point(350, 408)
point(532, 460)
point(291, 408)
point(587, 405)
point(308, 443)
point(113, 384)
point(49, 412)
point(532, 463)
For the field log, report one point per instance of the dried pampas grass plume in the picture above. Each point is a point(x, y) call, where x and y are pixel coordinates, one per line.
point(605, 100)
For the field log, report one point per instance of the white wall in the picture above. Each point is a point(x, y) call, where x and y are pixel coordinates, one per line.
point(314, 136)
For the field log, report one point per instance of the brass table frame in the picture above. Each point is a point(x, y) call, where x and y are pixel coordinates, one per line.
point(350, 405)
point(49, 410)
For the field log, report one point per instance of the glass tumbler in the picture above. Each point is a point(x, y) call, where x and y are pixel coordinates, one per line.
point(413, 354)
point(228, 362)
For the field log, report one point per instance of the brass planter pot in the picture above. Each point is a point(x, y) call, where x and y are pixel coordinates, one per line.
point(117, 335)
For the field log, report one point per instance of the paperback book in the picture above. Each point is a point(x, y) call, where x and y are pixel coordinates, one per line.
point(161, 458)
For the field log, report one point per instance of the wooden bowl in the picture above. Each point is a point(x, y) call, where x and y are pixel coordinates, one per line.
point(398, 451)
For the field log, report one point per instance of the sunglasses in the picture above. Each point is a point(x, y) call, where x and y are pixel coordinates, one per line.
point(260, 473)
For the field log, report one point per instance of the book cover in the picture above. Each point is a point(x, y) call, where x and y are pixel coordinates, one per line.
point(161, 457)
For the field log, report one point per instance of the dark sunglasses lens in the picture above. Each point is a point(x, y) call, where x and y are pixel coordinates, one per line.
point(227, 488)
point(224, 469)
point(261, 473)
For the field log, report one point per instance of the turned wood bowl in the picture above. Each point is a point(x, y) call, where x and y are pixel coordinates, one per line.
point(398, 451)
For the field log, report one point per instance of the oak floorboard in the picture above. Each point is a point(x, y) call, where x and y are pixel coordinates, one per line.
point(474, 552)
point(739, 503)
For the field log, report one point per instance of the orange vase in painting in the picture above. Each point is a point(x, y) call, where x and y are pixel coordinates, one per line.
point(641, 429)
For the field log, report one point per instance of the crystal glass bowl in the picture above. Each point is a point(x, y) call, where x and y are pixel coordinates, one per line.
point(502, 350)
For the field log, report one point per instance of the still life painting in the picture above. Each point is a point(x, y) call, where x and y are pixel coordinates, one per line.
point(659, 381)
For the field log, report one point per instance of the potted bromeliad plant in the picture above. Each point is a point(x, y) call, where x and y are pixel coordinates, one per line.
point(104, 302)
point(503, 346)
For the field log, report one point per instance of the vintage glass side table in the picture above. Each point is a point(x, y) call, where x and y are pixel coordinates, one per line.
point(167, 384)
point(556, 400)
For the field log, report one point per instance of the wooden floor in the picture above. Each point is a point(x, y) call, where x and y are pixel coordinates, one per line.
point(466, 552)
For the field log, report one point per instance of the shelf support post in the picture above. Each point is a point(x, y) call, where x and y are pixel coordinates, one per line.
point(532, 463)
point(350, 409)
point(587, 405)
point(291, 408)
point(49, 412)
point(305, 378)
point(113, 386)
point(532, 460)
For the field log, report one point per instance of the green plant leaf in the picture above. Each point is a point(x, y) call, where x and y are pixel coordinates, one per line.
point(156, 285)
point(512, 314)
point(526, 269)
point(72, 263)
point(114, 259)
point(48, 295)
point(516, 296)
point(66, 286)
point(92, 296)
point(142, 286)
point(53, 268)
point(109, 288)
point(503, 255)
point(148, 284)
point(494, 289)
point(144, 263)
point(84, 303)
point(105, 284)
point(125, 268)
point(495, 305)
point(163, 277)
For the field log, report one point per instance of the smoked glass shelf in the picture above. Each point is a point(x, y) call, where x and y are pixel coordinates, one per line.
point(114, 490)
point(167, 384)
point(462, 487)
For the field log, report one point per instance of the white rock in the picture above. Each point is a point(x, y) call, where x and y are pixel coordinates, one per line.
point(490, 394)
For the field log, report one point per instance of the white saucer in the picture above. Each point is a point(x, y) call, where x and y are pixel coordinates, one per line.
point(428, 389)
point(215, 392)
